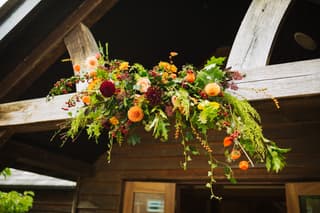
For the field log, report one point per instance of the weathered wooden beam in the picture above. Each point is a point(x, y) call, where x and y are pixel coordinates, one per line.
point(283, 80)
point(50, 49)
point(253, 43)
point(47, 161)
point(38, 113)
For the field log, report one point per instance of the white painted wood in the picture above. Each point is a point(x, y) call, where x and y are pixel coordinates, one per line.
point(282, 80)
point(253, 43)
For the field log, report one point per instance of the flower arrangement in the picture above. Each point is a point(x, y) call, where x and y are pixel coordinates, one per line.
point(190, 101)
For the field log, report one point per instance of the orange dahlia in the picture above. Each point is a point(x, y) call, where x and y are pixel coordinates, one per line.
point(135, 114)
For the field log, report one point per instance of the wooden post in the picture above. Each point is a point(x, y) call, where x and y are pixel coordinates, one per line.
point(81, 45)
point(253, 43)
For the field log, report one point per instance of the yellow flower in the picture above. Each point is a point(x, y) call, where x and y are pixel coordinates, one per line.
point(164, 65)
point(93, 84)
point(124, 66)
point(165, 76)
point(173, 68)
point(215, 105)
point(114, 121)
point(201, 106)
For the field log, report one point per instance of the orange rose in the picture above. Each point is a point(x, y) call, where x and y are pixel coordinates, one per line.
point(135, 114)
point(212, 89)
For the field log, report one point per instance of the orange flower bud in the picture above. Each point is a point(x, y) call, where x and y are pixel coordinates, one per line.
point(227, 141)
point(86, 99)
point(243, 165)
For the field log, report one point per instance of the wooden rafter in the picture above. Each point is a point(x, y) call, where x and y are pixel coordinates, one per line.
point(51, 48)
point(44, 160)
point(253, 43)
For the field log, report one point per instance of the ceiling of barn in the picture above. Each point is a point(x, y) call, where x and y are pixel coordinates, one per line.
point(146, 31)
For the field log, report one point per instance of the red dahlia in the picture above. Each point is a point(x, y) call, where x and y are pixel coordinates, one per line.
point(154, 95)
point(107, 88)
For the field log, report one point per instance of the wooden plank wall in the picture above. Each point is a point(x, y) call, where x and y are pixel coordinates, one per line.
point(295, 126)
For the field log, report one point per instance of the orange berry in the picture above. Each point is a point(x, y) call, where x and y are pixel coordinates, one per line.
point(86, 99)
point(235, 154)
point(135, 114)
point(190, 77)
point(243, 165)
point(212, 89)
point(76, 68)
point(227, 141)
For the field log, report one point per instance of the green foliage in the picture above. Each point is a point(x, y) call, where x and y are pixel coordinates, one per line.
point(5, 172)
point(210, 73)
point(247, 121)
point(15, 202)
point(275, 160)
point(159, 123)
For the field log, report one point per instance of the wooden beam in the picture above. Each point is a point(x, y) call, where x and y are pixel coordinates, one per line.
point(253, 42)
point(41, 114)
point(48, 161)
point(283, 80)
point(50, 49)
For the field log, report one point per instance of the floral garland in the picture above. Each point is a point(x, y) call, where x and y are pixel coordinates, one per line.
point(119, 97)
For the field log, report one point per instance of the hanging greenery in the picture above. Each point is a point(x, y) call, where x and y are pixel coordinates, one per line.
point(120, 96)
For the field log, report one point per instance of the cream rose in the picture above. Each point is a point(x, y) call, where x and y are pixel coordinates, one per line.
point(143, 84)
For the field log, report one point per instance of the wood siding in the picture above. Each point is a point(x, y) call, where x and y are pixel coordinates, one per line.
point(157, 161)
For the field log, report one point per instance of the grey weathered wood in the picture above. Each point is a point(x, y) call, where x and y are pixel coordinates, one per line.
point(81, 45)
point(283, 80)
point(253, 43)
point(35, 111)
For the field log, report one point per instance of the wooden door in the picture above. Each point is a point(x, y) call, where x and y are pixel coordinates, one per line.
point(303, 197)
point(149, 197)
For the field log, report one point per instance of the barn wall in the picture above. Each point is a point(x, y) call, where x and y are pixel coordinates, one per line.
point(53, 201)
point(158, 161)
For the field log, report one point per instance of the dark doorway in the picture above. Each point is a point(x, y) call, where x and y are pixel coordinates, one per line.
point(236, 198)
